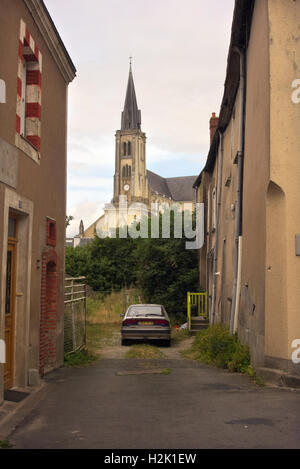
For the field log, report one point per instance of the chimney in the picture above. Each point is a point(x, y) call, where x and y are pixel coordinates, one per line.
point(213, 124)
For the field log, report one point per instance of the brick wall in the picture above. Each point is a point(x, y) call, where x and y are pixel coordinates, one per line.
point(48, 321)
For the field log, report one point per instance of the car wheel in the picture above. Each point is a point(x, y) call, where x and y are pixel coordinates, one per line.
point(124, 342)
point(168, 343)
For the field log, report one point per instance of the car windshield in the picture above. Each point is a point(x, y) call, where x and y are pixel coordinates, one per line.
point(145, 311)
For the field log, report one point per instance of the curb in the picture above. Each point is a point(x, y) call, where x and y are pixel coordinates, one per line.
point(279, 378)
point(13, 418)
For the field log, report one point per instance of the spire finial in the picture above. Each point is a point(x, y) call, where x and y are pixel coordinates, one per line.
point(130, 61)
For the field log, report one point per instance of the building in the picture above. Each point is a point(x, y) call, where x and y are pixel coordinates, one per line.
point(36, 69)
point(79, 239)
point(250, 262)
point(132, 179)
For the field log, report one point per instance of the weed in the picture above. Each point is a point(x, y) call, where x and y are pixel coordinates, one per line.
point(215, 346)
point(144, 351)
point(5, 444)
point(80, 358)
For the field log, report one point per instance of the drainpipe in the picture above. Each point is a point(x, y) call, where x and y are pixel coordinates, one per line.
point(215, 258)
point(238, 209)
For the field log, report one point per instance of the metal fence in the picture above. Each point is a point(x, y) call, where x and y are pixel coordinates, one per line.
point(196, 306)
point(75, 314)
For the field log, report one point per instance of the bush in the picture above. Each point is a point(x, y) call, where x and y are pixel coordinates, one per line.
point(161, 268)
point(216, 346)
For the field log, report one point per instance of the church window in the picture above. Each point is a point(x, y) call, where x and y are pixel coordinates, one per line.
point(124, 149)
point(129, 148)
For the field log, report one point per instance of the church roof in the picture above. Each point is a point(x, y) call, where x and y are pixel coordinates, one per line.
point(177, 188)
point(131, 115)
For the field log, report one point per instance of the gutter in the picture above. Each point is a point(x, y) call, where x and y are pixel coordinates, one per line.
point(239, 201)
point(215, 256)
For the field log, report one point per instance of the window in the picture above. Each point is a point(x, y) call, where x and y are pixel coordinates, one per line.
point(124, 148)
point(129, 148)
point(126, 171)
point(51, 232)
point(29, 81)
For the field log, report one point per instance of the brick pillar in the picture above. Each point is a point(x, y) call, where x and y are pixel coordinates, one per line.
point(48, 318)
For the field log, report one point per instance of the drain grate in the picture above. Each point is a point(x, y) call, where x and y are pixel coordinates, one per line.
point(14, 396)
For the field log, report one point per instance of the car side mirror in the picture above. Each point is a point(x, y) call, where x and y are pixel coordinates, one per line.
point(122, 315)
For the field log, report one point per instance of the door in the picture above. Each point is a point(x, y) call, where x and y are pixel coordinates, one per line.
point(10, 300)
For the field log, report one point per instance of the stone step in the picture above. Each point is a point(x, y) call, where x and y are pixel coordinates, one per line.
point(199, 320)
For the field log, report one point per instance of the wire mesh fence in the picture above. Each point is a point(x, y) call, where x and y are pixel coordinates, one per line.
point(75, 314)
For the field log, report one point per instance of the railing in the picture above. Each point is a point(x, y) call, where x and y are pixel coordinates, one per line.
point(75, 314)
point(197, 304)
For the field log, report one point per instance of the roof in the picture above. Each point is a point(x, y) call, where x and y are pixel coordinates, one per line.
point(52, 38)
point(131, 115)
point(240, 33)
point(177, 188)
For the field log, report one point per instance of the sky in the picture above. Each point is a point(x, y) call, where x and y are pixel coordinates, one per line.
point(179, 51)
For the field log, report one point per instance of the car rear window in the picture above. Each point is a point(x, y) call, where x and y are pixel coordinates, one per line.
point(145, 311)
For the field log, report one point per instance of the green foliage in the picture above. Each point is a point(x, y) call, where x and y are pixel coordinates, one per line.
point(69, 218)
point(5, 444)
point(217, 347)
point(80, 358)
point(162, 268)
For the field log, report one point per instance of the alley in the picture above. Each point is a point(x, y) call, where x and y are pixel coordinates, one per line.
point(165, 403)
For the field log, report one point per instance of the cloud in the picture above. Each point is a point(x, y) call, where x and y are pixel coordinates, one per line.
point(180, 56)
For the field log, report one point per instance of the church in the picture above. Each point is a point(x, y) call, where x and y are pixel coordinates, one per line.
point(133, 182)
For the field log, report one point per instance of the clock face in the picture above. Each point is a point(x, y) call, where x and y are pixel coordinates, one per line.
point(126, 187)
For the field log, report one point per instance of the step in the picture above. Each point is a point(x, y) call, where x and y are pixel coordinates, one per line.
point(199, 323)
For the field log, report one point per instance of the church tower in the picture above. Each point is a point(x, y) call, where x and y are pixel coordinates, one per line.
point(130, 177)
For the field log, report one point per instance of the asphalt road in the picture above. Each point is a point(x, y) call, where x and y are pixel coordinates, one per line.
point(128, 404)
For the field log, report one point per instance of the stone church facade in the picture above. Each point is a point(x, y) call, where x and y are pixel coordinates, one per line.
point(132, 180)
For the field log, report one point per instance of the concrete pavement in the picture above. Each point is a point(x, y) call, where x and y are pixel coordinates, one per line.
point(189, 406)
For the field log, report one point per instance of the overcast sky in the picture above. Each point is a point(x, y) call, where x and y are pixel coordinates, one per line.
point(179, 51)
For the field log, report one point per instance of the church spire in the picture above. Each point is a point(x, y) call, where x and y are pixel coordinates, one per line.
point(131, 115)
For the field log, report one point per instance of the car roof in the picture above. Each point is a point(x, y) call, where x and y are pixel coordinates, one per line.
point(148, 304)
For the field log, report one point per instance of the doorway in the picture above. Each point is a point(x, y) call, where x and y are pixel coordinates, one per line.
point(10, 301)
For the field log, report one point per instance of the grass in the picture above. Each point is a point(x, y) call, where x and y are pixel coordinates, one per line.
point(144, 351)
point(80, 358)
point(178, 335)
point(107, 309)
point(100, 335)
point(215, 346)
point(5, 444)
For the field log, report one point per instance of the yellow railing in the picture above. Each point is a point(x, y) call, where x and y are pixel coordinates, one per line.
point(199, 302)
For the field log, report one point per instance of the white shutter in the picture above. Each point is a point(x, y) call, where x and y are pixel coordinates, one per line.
point(23, 99)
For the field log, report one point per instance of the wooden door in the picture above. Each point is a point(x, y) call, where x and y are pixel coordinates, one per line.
point(10, 301)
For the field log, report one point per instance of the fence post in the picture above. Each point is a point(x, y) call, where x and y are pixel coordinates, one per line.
point(73, 316)
point(85, 312)
point(189, 310)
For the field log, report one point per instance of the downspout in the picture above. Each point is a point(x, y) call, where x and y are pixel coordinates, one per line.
point(215, 258)
point(239, 202)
